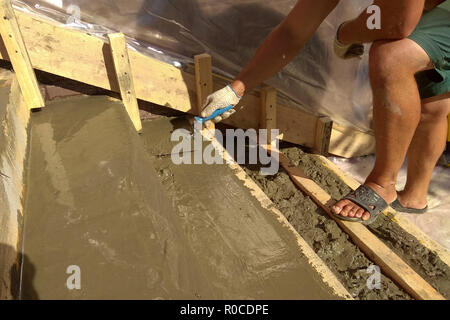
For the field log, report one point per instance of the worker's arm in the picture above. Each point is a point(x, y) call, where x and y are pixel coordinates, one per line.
point(277, 50)
point(399, 18)
point(284, 43)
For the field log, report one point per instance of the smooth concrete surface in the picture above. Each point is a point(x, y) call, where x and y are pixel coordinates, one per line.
point(96, 205)
point(247, 249)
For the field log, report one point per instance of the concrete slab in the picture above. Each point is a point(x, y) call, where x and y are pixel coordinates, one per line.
point(94, 202)
point(245, 248)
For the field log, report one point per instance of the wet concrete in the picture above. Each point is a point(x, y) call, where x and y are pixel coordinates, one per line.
point(333, 245)
point(239, 244)
point(95, 201)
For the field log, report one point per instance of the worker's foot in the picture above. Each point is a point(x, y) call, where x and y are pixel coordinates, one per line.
point(350, 210)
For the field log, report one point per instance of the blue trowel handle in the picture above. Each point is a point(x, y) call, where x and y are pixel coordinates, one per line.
point(216, 113)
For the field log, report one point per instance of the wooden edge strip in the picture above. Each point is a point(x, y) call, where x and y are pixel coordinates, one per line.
point(376, 250)
point(18, 114)
point(122, 66)
point(401, 221)
point(18, 54)
point(323, 272)
point(322, 140)
point(268, 114)
point(55, 49)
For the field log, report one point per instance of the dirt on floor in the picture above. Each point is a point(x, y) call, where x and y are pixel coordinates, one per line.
point(333, 245)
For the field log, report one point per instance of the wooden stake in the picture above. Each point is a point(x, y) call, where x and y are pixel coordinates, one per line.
point(376, 250)
point(125, 77)
point(12, 38)
point(204, 81)
point(268, 112)
point(324, 127)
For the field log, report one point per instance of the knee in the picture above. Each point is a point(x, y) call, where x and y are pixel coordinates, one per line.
point(436, 111)
point(386, 62)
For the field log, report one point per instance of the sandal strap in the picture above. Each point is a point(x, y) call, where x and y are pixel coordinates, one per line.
point(367, 199)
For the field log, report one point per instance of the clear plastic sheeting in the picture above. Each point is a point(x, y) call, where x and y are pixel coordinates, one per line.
point(436, 221)
point(231, 30)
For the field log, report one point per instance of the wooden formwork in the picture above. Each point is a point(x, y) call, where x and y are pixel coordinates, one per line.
point(85, 58)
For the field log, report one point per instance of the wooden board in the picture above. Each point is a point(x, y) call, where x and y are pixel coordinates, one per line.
point(16, 50)
point(268, 119)
point(55, 49)
point(323, 135)
point(376, 250)
point(203, 79)
point(203, 82)
point(346, 142)
point(124, 76)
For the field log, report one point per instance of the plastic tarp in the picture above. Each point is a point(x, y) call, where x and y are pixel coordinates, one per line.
point(231, 30)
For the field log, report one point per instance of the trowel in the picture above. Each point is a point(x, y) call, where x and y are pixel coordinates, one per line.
point(215, 114)
point(198, 122)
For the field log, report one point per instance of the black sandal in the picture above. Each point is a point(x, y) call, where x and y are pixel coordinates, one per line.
point(397, 206)
point(367, 199)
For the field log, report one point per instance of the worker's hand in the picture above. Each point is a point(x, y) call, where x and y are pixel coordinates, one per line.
point(347, 51)
point(219, 100)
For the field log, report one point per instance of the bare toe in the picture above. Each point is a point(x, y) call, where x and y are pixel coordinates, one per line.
point(353, 212)
point(366, 216)
point(337, 208)
point(347, 209)
point(359, 212)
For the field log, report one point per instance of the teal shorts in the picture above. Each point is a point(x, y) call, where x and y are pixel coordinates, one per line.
point(433, 35)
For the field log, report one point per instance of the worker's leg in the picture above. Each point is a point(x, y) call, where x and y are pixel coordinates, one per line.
point(426, 148)
point(396, 112)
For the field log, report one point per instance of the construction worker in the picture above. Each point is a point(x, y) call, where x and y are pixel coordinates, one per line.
point(414, 40)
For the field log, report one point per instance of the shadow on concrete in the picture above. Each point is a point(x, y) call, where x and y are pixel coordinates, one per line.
point(13, 285)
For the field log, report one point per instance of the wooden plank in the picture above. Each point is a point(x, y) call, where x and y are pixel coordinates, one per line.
point(323, 135)
point(124, 75)
point(376, 250)
point(55, 49)
point(203, 79)
point(269, 112)
point(18, 55)
point(346, 142)
point(203, 82)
